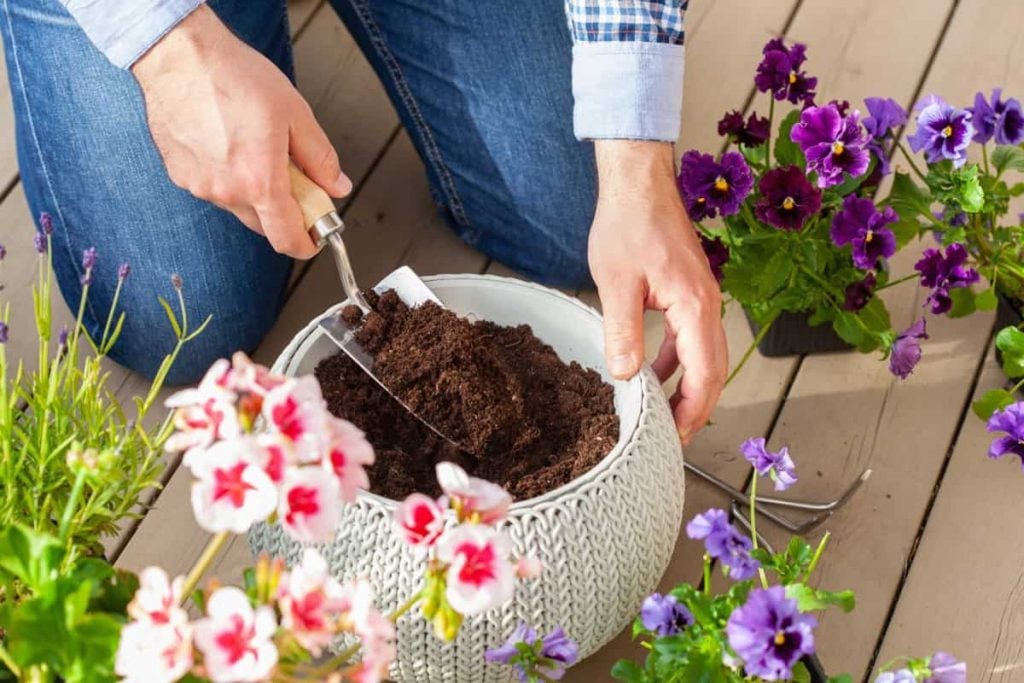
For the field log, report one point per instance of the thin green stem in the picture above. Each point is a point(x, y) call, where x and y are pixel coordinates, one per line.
point(69, 509)
point(750, 349)
point(707, 574)
point(984, 159)
point(817, 555)
point(110, 316)
point(910, 160)
point(5, 657)
point(768, 141)
point(1016, 387)
point(202, 565)
point(893, 283)
point(753, 525)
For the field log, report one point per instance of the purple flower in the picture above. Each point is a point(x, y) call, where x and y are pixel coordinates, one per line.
point(906, 350)
point(884, 116)
point(842, 106)
point(943, 132)
point(751, 133)
point(46, 223)
point(549, 656)
point(1011, 421)
point(723, 542)
point(946, 668)
point(944, 272)
point(62, 337)
point(779, 73)
point(88, 263)
point(5, 332)
point(664, 615)
point(996, 118)
point(787, 199)
point(862, 226)
point(717, 254)
point(3, 252)
point(898, 676)
point(40, 241)
point(123, 271)
point(769, 634)
point(708, 186)
point(832, 143)
point(176, 281)
point(778, 465)
point(859, 293)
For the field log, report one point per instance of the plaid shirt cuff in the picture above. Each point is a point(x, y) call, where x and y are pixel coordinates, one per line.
point(124, 31)
point(627, 90)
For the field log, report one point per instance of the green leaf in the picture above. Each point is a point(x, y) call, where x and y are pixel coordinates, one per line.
point(847, 327)
point(956, 187)
point(775, 274)
point(31, 557)
point(812, 600)
point(1010, 341)
point(875, 316)
point(170, 316)
point(993, 400)
point(704, 667)
point(842, 678)
point(905, 230)
point(625, 670)
point(964, 302)
point(987, 300)
point(788, 152)
point(800, 673)
point(1007, 157)
point(907, 198)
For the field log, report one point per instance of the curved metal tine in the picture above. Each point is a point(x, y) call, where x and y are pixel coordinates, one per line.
point(745, 523)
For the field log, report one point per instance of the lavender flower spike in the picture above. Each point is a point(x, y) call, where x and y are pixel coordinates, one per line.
point(4, 332)
point(1010, 421)
point(770, 634)
point(46, 223)
point(88, 263)
point(123, 271)
point(176, 281)
point(41, 242)
point(3, 252)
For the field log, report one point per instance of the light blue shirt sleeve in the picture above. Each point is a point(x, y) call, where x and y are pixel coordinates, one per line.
point(627, 73)
point(124, 30)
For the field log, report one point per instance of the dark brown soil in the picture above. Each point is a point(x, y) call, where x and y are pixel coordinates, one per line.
point(523, 418)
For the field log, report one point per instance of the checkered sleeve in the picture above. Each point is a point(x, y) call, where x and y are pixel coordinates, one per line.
point(627, 74)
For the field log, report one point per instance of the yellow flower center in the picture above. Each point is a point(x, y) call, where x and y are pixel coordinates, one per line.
point(868, 237)
point(788, 203)
point(792, 77)
point(947, 131)
point(780, 638)
point(721, 184)
point(838, 148)
point(701, 200)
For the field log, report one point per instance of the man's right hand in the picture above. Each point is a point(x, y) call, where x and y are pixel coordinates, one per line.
point(226, 121)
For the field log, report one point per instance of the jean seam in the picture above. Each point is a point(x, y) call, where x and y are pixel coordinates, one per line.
point(30, 122)
point(433, 152)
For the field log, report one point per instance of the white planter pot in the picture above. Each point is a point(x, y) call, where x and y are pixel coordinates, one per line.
point(604, 538)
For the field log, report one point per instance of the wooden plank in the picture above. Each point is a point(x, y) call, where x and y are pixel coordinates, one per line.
point(964, 591)
point(299, 14)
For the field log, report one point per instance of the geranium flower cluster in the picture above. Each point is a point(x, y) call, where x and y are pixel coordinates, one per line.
point(470, 568)
point(301, 467)
point(246, 636)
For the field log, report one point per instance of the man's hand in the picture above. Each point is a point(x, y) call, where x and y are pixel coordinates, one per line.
point(225, 120)
point(645, 254)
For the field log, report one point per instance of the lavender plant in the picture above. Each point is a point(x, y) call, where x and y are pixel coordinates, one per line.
point(64, 414)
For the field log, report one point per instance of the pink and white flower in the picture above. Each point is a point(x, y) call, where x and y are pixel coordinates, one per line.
point(480, 576)
point(231, 492)
point(198, 425)
point(274, 456)
point(154, 653)
point(249, 377)
point(311, 601)
point(420, 520)
point(156, 601)
point(473, 498)
point(236, 640)
point(311, 505)
point(297, 410)
point(528, 567)
point(348, 452)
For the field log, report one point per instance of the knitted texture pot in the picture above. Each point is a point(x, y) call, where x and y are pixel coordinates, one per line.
point(605, 538)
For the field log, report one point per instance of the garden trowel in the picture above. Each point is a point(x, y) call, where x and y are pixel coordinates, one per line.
point(325, 227)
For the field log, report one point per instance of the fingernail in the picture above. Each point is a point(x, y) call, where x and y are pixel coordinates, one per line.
point(621, 366)
point(344, 184)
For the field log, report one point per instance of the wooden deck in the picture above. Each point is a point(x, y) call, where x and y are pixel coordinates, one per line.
point(929, 544)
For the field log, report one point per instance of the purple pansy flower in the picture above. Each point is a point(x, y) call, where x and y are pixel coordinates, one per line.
point(559, 649)
point(548, 656)
point(787, 198)
point(832, 143)
point(123, 271)
point(859, 293)
point(5, 332)
point(906, 350)
point(778, 465)
point(709, 187)
point(751, 133)
point(724, 543)
point(770, 634)
point(779, 73)
point(664, 614)
point(862, 226)
point(945, 668)
point(1009, 420)
point(995, 118)
point(943, 132)
point(884, 116)
point(943, 272)
point(898, 676)
point(717, 254)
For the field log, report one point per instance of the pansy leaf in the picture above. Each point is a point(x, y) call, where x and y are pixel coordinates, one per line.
point(907, 198)
point(875, 316)
point(1010, 342)
point(800, 673)
point(1008, 158)
point(812, 600)
point(987, 300)
point(843, 678)
point(775, 274)
point(993, 400)
point(625, 670)
point(788, 152)
point(963, 302)
point(847, 327)
point(905, 230)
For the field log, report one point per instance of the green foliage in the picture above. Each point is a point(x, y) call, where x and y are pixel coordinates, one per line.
point(1010, 341)
point(993, 400)
point(957, 188)
point(787, 152)
point(68, 623)
point(62, 417)
point(1008, 158)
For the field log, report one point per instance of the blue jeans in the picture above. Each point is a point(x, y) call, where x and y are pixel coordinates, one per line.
point(483, 89)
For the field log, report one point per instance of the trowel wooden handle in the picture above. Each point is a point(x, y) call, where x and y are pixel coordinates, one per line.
point(313, 201)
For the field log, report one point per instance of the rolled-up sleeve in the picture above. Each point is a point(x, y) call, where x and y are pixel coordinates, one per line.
point(628, 63)
point(124, 30)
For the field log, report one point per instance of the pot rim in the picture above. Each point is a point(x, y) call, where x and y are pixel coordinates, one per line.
point(303, 340)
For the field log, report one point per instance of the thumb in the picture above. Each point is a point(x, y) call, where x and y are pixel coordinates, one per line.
point(313, 152)
point(622, 300)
